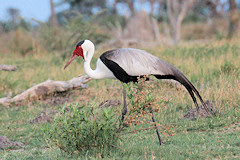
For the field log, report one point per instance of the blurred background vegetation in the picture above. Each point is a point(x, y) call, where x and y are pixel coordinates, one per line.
point(119, 23)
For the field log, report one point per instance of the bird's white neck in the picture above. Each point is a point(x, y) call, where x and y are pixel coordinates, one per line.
point(101, 70)
point(88, 57)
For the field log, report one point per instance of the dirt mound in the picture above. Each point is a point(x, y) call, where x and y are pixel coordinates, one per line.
point(45, 116)
point(58, 98)
point(202, 112)
point(109, 103)
point(5, 142)
point(48, 115)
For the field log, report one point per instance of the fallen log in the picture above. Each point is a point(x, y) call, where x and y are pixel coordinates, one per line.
point(47, 88)
point(7, 67)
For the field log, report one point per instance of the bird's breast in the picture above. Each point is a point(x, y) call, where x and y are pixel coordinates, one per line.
point(104, 71)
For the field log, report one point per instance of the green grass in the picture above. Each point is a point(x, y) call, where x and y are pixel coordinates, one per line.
point(213, 68)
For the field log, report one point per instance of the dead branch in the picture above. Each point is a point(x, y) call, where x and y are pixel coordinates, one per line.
point(117, 147)
point(7, 67)
point(47, 88)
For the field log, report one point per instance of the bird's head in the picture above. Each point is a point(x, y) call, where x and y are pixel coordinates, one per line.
point(81, 50)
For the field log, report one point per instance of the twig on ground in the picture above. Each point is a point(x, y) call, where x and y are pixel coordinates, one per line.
point(7, 67)
point(117, 147)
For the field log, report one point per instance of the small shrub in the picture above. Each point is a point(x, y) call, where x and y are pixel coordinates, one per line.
point(83, 129)
point(141, 107)
point(141, 101)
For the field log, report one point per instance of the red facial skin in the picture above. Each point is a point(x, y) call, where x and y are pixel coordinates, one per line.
point(77, 52)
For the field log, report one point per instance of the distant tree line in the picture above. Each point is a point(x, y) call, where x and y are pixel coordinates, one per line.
point(174, 12)
point(15, 21)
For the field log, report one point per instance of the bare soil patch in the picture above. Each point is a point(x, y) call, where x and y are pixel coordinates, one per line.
point(5, 142)
point(42, 119)
point(59, 98)
point(110, 103)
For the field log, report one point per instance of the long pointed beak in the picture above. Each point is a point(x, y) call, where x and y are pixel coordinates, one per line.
point(71, 59)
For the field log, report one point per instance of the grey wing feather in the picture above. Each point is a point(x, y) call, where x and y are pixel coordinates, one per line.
point(139, 62)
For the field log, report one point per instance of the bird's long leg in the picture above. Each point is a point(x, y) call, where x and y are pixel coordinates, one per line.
point(156, 128)
point(124, 111)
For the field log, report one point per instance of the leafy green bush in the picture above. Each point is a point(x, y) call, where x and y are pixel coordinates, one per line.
point(83, 129)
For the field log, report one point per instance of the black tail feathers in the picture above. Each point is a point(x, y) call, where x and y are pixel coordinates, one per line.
point(179, 76)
